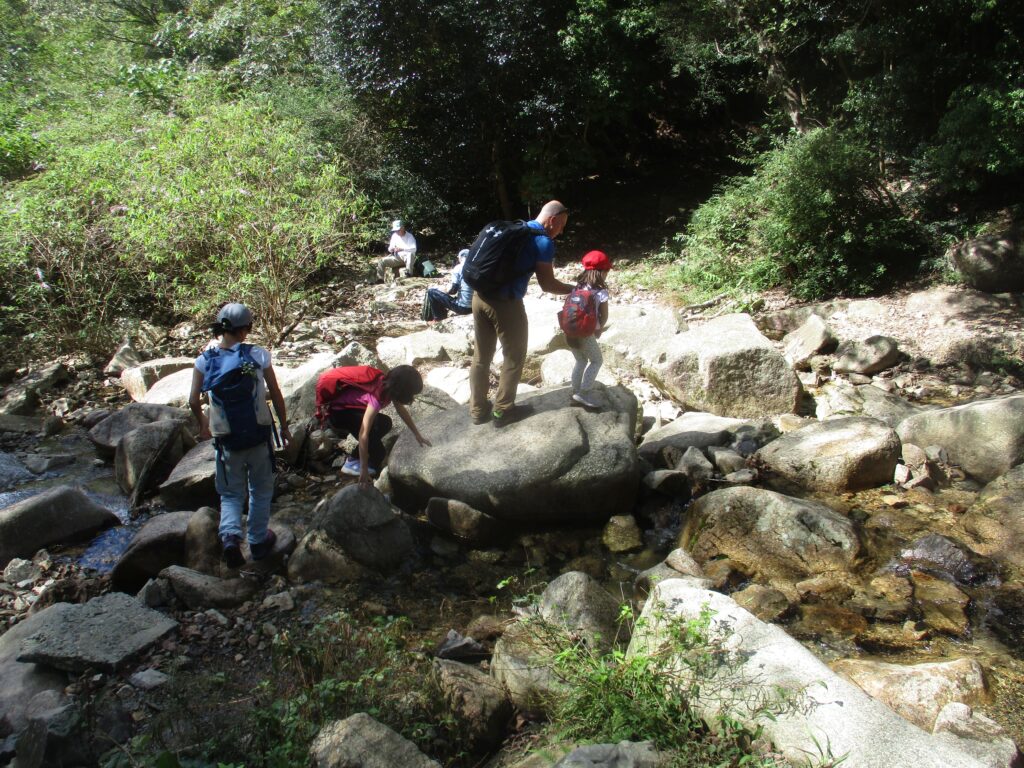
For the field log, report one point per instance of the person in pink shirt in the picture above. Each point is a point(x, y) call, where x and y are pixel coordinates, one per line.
point(355, 408)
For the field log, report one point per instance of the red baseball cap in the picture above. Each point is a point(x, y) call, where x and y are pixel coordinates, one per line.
point(597, 260)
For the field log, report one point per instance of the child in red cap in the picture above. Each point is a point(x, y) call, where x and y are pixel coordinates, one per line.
point(591, 284)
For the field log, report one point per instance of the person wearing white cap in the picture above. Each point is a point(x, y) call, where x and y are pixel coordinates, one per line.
point(401, 252)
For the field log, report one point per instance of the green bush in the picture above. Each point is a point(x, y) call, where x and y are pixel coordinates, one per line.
point(815, 218)
point(980, 138)
point(176, 213)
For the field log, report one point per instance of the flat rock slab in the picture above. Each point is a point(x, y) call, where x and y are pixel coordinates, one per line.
point(199, 591)
point(104, 633)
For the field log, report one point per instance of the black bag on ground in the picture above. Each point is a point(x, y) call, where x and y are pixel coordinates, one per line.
point(426, 313)
point(491, 263)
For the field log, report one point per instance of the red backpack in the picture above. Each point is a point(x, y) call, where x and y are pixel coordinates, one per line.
point(578, 317)
point(332, 382)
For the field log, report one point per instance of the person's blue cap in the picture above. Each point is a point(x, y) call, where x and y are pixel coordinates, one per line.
point(233, 316)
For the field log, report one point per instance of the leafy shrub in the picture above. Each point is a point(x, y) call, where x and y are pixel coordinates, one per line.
point(223, 201)
point(815, 217)
point(980, 138)
point(650, 695)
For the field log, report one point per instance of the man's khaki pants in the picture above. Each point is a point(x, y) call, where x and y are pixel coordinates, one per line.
point(497, 320)
point(394, 262)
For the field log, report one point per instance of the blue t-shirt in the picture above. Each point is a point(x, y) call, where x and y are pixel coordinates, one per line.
point(538, 250)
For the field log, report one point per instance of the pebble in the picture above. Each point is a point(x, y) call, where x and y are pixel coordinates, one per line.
point(148, 679)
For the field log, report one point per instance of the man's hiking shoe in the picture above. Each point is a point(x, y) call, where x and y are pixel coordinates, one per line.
point(585, 402)
point(265, 547)
point(511, 415)
point(352, 468)
point(231, 551)
point(483, 418)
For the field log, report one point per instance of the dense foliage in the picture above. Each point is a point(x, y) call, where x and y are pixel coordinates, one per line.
point(156, 155)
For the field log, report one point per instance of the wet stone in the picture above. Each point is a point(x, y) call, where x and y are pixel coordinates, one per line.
point(943, 606)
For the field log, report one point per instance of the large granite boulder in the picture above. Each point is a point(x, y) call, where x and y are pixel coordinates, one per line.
point(985, 438)
point(769, 534)
point(20, 681)
point(423, 347)
point(558, 464)
point(104, 633)
point(696, 429)
point(579, 606)
point(158, 544)
point(452, 381)
point(812, 338)
point(191, 482)
point(109, 432)
point(362, 741)
point(837, 455)
point(139, 379)
point(12, 471)
point(22, 397)
point(726, 366)
point(831, 713)
point(992, 263)
point(635, 333)
point(145, 456)
point(56, 516)
point(200, 591)
point(996, 520)
point(173, 390)
point(873, 354)
point(318, 558)
point(366, 527)
point(841, 398)
point(918, 692)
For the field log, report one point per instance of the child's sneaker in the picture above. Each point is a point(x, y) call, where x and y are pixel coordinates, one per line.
point(585, 401)
point(352, 468)
point(231, 551)
point(265, 547)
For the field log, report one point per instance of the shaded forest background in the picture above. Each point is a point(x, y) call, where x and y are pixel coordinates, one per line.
point(160, 156)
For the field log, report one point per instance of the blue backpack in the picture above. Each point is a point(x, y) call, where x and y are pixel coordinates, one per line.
point(237, 398)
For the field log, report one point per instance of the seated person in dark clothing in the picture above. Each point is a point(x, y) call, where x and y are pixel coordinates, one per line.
point(458, 298)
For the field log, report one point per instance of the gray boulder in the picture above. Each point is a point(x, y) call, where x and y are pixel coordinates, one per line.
point(837, 455)
point(767, 533)
point(318, 558)
point(138, 380)
point(20, 681)
point(145, 456)
point(635, 334)
point(158, 544)
point(625, 754)
point(692, 429)
point(558, 464)
point(841, 398)
point(476, 701)
point(812, 338)
point(462, 521)
point(873, 354)
point(979, 736)
point(985, 438)
point(522, 664)
point(578, 605)
point(191, 482)
point(422, 347)
point(918, 692)
point(991, 263)
point(362, 741)
point(833, 713)
point(104, 633)
point(996, 520)
point(365, 526)
point(125, 357)
point(171, 390)
point(55, 516)
point(454, 382)
point(108, 433)
point(22, 397)
point(12, 471)
point(727, 367)
point(200, 591)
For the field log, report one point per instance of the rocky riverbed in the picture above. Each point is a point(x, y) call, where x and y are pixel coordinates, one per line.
point(845, 472)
